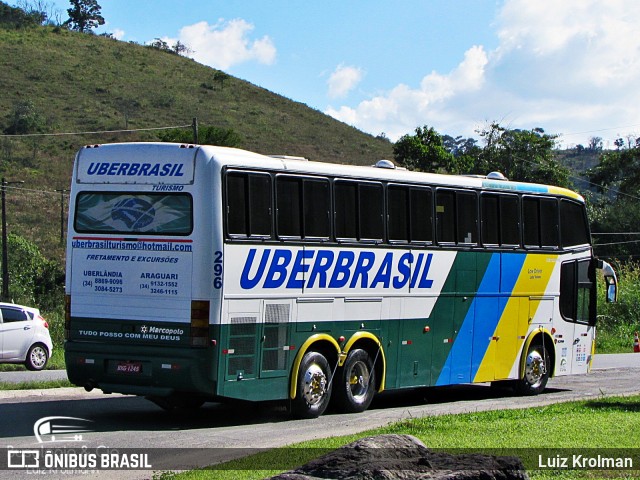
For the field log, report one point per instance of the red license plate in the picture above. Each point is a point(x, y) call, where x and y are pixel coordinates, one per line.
point(129, 367)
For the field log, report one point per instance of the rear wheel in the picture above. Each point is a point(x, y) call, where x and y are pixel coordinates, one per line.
point(355, 385)
point(313, 386)
point(536, 371)
point(37, 357)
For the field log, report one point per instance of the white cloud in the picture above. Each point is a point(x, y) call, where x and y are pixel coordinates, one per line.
point(569, 66)
point(404, 108)
point(226, 44)
point(343, 80)
point(118, 34)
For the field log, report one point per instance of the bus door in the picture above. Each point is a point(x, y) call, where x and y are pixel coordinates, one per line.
point(578, 308)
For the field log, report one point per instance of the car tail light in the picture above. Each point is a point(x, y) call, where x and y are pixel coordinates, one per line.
point(44, 322)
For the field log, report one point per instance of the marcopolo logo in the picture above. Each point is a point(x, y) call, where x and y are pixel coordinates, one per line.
point(327, 269)
point(60, 429)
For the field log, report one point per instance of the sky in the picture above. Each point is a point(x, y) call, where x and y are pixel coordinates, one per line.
point(571, 67)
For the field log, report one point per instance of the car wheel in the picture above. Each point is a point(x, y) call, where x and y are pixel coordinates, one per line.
point(37, 357)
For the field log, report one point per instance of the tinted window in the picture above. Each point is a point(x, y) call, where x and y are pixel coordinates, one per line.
point(467, 210)
point(148, 213)
point(509, 220)
point(549, 222)
point(421, 215)
point(346, 214)
point(371, 211)
point(13, 315)
point(398, 207)
point(531, 220)
point(490, 219)
point(445, 216)
point(248, 204)
point(288, 202)
point(573, 224)
point(359, 210)
point(316, 208)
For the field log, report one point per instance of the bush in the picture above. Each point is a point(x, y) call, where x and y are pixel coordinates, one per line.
point(618, 321)
point(33, 279)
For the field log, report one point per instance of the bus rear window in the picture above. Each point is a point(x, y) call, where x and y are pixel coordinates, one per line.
point(149, 213)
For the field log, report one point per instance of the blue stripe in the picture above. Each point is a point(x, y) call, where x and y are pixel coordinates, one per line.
point(472, 341)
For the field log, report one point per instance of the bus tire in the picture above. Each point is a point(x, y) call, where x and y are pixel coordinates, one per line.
point(355, 385)
point(536, 371)
point(313, 386)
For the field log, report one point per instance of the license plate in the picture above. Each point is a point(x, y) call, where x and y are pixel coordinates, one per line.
point(129, 367)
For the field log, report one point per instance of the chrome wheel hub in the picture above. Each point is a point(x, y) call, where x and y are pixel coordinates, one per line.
point(315, 384)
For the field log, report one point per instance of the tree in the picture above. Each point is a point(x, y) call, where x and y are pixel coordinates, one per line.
point(522, 155)
point(424, 152)
point(84, 15)
point(224, 137)
point(24, 119)
point(617, 176)
point(25, 15)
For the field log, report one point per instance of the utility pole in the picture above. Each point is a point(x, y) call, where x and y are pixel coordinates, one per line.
point(62, 192)
point(194, 125)
point(5, 248)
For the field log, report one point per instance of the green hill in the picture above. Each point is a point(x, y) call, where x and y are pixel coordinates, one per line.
point(73, 82)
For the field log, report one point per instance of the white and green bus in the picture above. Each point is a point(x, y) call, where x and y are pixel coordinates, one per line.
point(200, 273)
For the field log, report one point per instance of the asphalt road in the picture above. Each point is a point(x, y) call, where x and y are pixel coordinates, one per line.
point(131, 422)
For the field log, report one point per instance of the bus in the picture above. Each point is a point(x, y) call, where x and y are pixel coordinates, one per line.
point(200, 273)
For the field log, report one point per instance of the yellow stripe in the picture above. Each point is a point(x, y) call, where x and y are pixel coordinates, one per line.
point(303, 349)
point(566, 193)
point(515, 319)
point(357, 336)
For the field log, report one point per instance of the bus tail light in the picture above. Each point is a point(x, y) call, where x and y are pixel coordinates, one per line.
point(67, 316)
point(199, 323)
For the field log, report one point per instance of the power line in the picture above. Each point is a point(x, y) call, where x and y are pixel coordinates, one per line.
point(615, 243)
point(99, 132)
point(600, 130)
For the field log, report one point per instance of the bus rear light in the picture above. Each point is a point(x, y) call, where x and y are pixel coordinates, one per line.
point(199, 323)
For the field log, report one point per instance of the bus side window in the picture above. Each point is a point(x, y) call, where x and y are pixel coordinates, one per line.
point(509, 220)
point(248, 197)
point(531, 220)
point(345, 214)
point(316, 208)
point(445, 216)
point(549, 234)
point(574, 229)
point(398, 208)
point(490, 219)
point(288, 203)
point(467, 217)
point(421, 225)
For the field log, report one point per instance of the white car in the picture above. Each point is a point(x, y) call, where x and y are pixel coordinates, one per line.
point(24, 336)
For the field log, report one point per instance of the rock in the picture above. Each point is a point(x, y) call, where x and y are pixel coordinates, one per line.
point(400, 457)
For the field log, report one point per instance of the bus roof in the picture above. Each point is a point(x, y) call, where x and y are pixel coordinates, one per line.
point(233, 157)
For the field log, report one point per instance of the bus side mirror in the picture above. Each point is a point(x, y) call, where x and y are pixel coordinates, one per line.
point(612, 293)
point(611, 281)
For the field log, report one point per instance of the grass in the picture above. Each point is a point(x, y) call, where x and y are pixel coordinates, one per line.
point(36, 385)
point(605, 423)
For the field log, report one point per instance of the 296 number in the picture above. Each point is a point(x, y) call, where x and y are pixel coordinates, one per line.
point(217, 270)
